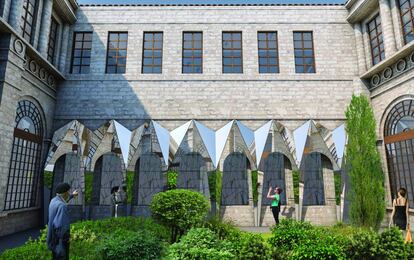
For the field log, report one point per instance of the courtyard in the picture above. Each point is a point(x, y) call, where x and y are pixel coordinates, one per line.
point(206, 129)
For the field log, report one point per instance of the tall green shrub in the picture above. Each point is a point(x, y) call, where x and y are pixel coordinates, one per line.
point(179, 210)
point(366, 194)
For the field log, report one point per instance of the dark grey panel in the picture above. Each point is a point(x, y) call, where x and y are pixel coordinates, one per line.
point(312, 176)
point(274, 176)
point(235, 190)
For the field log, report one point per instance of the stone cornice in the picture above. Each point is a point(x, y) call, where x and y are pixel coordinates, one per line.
point(32, 52)
point(359, 11)
point(394, 66)
point(66, 10)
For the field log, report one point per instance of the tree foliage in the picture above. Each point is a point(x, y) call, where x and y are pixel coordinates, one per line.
point(363, 165)
point(179, 210)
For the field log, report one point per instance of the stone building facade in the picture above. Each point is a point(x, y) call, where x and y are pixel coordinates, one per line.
point(193, 88)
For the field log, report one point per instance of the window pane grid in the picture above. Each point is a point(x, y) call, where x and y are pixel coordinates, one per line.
point(28, 18)
point(376, 40)
point(81, 52)
point(152, 53)
point(268, 53)
point(232, 52)
point(407, 19)
point(117, 52)
point(192, 52)
point(52, 40)
point(304, 52)
point(24, 169)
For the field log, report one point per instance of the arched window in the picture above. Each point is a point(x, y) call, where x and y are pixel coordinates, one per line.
point(24, 169)
point(399, 143)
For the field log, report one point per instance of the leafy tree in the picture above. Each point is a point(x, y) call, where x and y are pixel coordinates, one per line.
point(366, 193)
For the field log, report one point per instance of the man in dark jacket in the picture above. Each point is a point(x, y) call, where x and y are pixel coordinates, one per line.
point(58, 233)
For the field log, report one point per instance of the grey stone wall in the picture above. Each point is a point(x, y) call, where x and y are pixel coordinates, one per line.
point(212, 95)
point(19, 83)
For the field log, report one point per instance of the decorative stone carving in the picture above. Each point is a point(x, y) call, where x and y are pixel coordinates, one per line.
point(18, 47)
point(392, 71)
point(39, 72)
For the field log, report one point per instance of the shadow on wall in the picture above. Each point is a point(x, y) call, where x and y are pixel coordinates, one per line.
point(93, 99)
point(97, 97)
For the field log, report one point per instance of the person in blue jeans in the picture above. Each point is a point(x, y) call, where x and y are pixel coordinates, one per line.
point(275, 205)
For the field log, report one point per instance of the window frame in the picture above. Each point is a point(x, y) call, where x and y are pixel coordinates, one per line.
point(24, 23)
point(411, 21)
point(267, 49)
point(232, 49)
point(117, 66)
point(376, 38)
point(193, 66)
point(81, 57)
point(304, 65)
point(51, 57)
point(152, 50)
point(25, 158)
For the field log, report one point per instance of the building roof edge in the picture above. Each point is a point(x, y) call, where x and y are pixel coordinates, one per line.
point(219, 5)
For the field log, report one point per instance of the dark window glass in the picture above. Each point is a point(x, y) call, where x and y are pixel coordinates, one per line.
point(192, 52)
point(28, 19)
point(52, 40)
point(25, 162)
point(232, 52)
point(81, 52)
point(304, 53)
point(376, 40)
point(117, 52)
point(268, 53)
point(407, 19)
point(152, 53)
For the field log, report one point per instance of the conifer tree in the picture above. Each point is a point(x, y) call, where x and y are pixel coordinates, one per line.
point(363, 165)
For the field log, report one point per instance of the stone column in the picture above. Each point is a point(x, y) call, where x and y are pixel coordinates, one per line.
point(16, 9)
point(64, 48)
point(45, 27)
point(359, 42)
point(387, 28)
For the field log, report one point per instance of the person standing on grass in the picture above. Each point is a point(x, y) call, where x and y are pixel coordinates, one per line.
point(58, 233)
point(275, 206)
point(399, 215)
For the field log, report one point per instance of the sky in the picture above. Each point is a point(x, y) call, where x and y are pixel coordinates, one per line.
point(211, 1)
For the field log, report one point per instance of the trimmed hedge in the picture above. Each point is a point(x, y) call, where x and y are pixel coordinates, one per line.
point(300, 240)
point(89, 237)
point(130, 245)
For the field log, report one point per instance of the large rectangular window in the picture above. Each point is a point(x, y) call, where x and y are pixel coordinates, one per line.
point(28, 19)
point(192, 52)
point(81, 52)
point(376, 40)
point(304, 53)
point(52, 40)
point(152, 53)
point(117, 52)
point(268, 54)
point(232, 52)
point(407, 19)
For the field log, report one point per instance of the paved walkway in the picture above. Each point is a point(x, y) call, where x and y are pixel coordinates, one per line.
point(256, 229)
point(18, 239)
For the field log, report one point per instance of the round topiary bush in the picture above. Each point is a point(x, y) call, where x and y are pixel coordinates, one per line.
point(179, 210)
